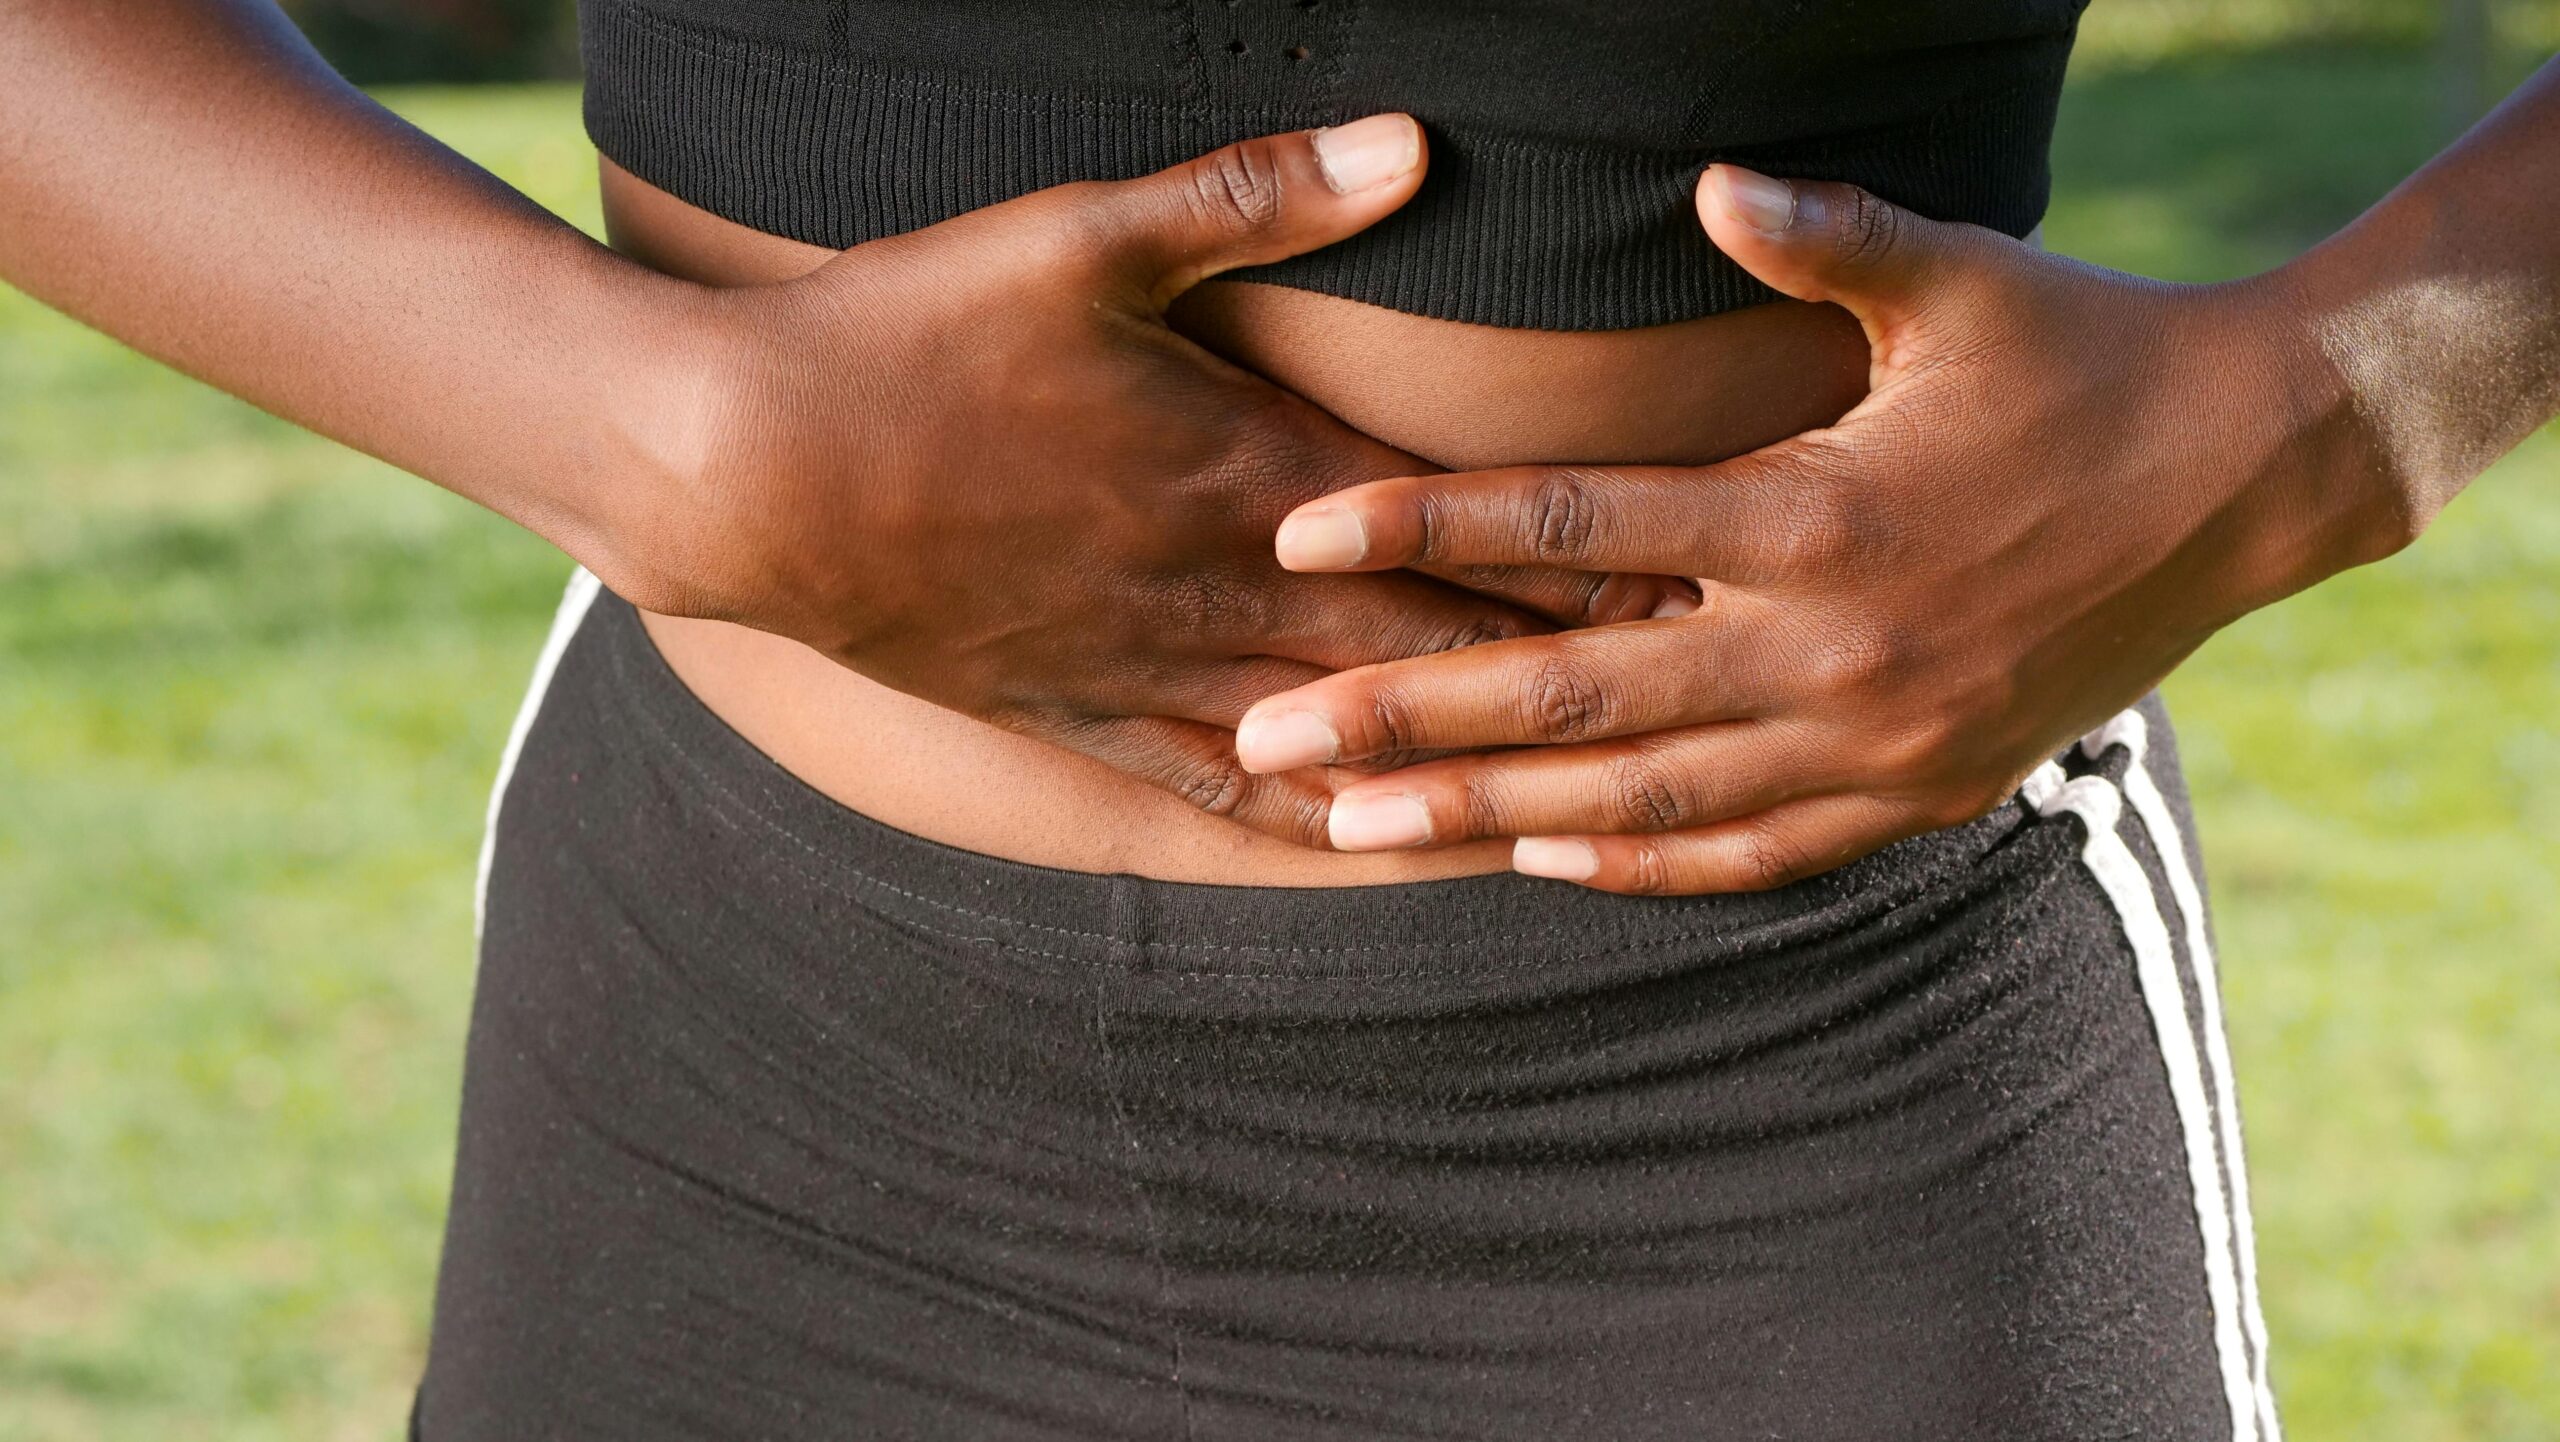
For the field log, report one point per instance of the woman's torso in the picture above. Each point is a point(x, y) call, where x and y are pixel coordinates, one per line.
point(779, 1121)
point(1565, 137)
point(1459, 395)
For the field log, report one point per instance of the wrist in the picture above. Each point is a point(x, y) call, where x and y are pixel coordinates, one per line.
point(662, 357)
point(2388, 353)
point(2342, 488)
point(726, 421)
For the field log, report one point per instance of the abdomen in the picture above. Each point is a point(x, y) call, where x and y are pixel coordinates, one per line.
point(1465, 396)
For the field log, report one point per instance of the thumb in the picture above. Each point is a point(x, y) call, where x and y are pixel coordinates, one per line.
point(1825, 241)
point(1257, 201)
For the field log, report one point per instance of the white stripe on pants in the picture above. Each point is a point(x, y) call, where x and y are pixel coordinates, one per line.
point(574, 601)
point(2132, 732)
point(2128, 889)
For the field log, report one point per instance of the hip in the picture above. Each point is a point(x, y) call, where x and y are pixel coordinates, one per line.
point(777, 1117)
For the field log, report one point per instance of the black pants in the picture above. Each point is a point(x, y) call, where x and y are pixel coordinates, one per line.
point(781, 1124)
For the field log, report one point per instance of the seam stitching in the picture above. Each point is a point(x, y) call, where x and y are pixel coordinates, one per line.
point(1081, 963)
point(759, 816)
point(1154, 1224)
point(743, 810)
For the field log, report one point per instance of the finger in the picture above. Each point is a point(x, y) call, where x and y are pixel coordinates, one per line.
point(1825, 241)
point(1773, 848)
point(1255, 201)
point(1219, 693)
point(1335, 457)
point(1731, 521)
point(1543, 691)
point(1342, 622)
point(1576, 598)
point(1198, 764)
point(1668, 781)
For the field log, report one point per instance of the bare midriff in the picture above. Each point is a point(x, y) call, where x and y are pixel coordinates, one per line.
point(1463, 396)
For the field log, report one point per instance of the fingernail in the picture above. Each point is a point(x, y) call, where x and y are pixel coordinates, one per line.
point(1553, 856)
point(1767, 206)
point(1321, 540)
point(1379, 823)
point(1368, 153)
point(1678, 603)
point(1285, 741)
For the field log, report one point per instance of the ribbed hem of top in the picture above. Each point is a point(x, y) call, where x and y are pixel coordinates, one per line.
point(1525, 234)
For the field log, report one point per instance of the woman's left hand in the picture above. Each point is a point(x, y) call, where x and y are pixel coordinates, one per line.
point(2062, 481)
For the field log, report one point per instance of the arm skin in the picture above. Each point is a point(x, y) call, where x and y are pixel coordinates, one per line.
point(188, 176)
point(2063, 480)
point(880, 459)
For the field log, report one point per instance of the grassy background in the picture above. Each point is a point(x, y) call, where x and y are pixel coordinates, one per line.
point(252, 689)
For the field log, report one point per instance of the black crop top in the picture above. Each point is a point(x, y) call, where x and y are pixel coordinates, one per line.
point(1566, 135)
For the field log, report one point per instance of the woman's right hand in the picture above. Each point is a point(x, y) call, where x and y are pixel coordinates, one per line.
point(973, 463)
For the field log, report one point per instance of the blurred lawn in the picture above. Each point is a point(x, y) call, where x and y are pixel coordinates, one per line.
point(252, 689)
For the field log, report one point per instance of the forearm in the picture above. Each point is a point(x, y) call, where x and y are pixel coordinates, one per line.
point(2439, 310)
point(189, 177)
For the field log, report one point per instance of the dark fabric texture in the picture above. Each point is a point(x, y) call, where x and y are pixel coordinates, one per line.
point(1567, 136)
point(782, 1124)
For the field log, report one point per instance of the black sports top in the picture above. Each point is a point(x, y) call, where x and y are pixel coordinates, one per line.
point(1566, 135)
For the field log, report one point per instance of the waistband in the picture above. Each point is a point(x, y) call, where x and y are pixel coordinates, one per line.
point(851, 870)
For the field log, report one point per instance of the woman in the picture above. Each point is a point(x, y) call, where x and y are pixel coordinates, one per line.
point(846, 1065)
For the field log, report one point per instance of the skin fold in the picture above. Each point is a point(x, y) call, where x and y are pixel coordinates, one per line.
point(975, 526)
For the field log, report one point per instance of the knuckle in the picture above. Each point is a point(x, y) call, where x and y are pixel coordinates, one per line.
point(1648, 797)
point(1070, 229)
point(1869, 229)
point(1213, 787)
point(1474, 631)
point(1594, 598)
point(1428, 511)
point(1925, 746)
point(1264, 445)
point(1058, 726)
point(1304, 821)
point(1818, 536)
point(1851, 662)
point(1563, 515)
point(1648, 870)
point(1237, 188)
point(1565, 703)
point(1480, 807)
point(1121, 742)
point(1766, 860)
point(1390, 723)
point(1211, 607)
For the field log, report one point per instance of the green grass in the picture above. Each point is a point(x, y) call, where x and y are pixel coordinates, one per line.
point(2126, 33)
point(2377, 768)
point(252, 688)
